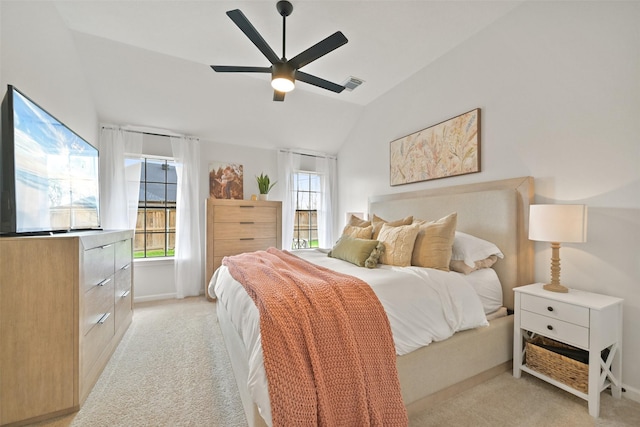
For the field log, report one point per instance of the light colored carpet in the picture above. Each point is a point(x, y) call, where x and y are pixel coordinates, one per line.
point(171, 369)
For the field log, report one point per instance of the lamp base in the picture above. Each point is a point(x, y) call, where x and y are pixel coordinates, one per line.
point(555, 288)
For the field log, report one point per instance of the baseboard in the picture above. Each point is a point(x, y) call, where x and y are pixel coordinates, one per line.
point(631, 393)
point(147, 298)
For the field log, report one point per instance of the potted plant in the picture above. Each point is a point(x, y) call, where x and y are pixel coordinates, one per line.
point(264, 186)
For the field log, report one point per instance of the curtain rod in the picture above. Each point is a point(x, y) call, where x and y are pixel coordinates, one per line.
point(141, 132)
point(323, 156)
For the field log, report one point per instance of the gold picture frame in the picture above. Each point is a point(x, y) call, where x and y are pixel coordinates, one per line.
point(449, 148)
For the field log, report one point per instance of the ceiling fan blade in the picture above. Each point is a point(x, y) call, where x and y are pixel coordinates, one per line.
point(317, 81)
point(278, 96)
point(249, 30)
point(319, 49)
point(240, 69)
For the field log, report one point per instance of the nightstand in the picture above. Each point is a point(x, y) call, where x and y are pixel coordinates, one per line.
point(584, 320)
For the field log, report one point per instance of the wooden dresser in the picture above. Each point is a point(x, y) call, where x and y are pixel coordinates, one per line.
point(237, 226)
point(65, 302)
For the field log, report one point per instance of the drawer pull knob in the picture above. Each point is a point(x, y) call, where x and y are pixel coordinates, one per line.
point(549, 327)
point(550, 308)
point(104, 318)
point(125, 294)
point(104, 282)
point(126, 267)
point(106, 246)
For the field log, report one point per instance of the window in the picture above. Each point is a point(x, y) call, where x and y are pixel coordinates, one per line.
point(307, 193)
point(155, 234)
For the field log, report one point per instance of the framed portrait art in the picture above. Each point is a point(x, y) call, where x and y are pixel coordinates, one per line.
point(226, 181)
point(446, 149)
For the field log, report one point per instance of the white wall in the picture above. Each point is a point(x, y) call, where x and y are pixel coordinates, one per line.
point(38, 57)
point(559, 88)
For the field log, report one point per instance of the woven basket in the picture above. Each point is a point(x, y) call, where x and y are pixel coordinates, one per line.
point(561, 368)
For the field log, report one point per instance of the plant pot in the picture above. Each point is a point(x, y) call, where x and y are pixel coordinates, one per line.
point(263, 197)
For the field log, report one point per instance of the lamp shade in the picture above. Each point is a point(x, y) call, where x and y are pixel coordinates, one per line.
point(558, 223)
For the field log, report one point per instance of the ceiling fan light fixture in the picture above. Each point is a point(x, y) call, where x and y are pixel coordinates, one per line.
point(282, 84)
point(283, 77)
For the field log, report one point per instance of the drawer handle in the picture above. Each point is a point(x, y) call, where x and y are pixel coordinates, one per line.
point(125, 294)
point(246, 238)
point(247, 222)
point(126, 267)
point(246, 206)
point(106, 246)
point(549, 327)
point(550, 308)
point(104, 318)
point(104, 282)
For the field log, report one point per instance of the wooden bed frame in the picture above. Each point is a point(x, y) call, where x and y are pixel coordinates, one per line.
point(496, 211)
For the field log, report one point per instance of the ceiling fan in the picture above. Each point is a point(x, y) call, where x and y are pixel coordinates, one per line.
point(284, 72)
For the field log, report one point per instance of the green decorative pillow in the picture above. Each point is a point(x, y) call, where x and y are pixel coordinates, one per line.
point(354, 250)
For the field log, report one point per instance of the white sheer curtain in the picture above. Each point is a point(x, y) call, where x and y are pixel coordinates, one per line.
point(119, 177)
point(286, 169)
point(188, 251)
point(326, 168)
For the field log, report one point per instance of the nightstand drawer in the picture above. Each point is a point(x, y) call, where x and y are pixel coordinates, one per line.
point(557, 310)
point(556, 329)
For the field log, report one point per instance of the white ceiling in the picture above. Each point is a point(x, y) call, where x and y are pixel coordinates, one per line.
point(147, 62)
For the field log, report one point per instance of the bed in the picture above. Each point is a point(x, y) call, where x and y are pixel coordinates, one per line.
point(496, 211)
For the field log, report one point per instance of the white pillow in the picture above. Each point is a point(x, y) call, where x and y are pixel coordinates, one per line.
point(470, 249)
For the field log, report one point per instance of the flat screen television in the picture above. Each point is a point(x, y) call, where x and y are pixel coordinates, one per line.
point(49, 178)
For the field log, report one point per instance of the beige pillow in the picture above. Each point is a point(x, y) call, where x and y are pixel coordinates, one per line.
point(358, 232)
point(354, 220)
point(355, 251)
point(377, 223)
point(398, 244)
point(434, 241)
point(461, 267)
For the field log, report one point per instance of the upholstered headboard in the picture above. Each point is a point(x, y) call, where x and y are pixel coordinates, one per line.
point(497, 211)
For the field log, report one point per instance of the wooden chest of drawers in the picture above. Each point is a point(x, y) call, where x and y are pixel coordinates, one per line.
point(65, 303)
point(237, 226)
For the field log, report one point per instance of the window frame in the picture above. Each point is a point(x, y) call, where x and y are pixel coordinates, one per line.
point(305, 243)
point(169, 208)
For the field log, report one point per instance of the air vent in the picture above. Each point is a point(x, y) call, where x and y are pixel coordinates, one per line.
point(352, 82)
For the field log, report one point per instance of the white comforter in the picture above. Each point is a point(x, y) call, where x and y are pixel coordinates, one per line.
point(423, 305)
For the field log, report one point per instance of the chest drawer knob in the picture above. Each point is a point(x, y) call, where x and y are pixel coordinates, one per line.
point(549, 327)
point(550, 308)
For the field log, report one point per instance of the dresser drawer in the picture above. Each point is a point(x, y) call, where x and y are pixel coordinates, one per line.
point(555, 309)
point(238, 246)
point(123, 307)
point(97, 302)
point(244, 230)
point(558, 330)
point(244, 213)
point(95, 342)
point(97, 266)
point(123, 280)
point(123, 253)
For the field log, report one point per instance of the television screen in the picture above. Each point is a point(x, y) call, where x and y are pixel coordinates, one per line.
point(54, 185)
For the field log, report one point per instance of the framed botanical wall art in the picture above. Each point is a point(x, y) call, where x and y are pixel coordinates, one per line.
point(226, 181)
point(446, 149)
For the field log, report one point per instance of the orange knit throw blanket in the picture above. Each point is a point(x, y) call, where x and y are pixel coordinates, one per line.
point(328, 351)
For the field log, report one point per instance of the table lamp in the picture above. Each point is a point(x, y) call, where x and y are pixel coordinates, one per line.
point(557, 224)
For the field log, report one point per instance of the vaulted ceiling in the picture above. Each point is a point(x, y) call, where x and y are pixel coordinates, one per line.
point(147, 63)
